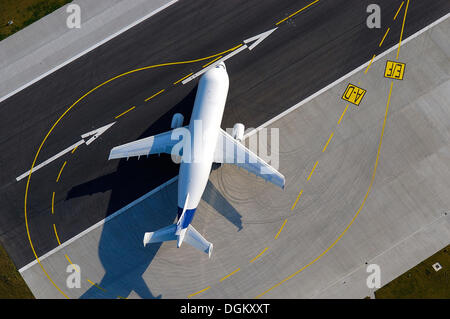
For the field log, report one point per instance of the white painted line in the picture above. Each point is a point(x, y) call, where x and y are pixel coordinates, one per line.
point(51, 159)
point(95, 134)
point(214, 64)
point(346, 76)
point(88, 50)
point(257, 39)
point(250, 133)
point(100, 223)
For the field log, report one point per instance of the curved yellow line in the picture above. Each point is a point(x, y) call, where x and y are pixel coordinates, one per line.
point(62, 116)
point(358, 211)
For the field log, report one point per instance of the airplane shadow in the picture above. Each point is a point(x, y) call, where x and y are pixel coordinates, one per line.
point(121, 253)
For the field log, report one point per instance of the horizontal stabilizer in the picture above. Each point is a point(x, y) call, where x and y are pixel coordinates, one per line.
point(164, 234)
point(190, 236)
point(196, 240)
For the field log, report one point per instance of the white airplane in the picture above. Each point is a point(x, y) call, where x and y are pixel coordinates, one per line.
point(209, 144)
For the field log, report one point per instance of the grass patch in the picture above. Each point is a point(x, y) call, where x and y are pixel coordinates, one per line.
point(422, 281)
point(24, 13)
point(12, 284)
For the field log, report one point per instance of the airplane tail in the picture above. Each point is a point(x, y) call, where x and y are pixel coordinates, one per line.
point(172, 232)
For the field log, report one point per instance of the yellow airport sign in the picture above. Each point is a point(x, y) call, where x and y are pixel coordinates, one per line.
point(353, 94)
point(394, 70)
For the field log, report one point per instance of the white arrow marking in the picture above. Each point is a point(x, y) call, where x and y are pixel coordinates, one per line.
point(257, 40)
point(95, 134)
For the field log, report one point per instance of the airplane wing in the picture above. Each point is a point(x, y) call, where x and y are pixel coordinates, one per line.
point(231, 151)
point(157, 144)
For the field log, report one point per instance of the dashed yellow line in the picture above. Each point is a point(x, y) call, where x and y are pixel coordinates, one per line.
point(328, 142)
point(384, 37)
point(343, 113)
point(151, 97)
point(211, 62)
point(198, 292)
point(358, 211)
point(53, 203)
point(60, 171)
point(298, 197)
point(70, 261)
point(403, 28)
point(56, 234)
point(398, 11)
point(174, 83)
point(282, 226)
point(130, 109)
point(230, 274)
point(74, 149)
point(59, 120)
point(259, 255)
point(370, 63)
point(95, 285)
point(312, 171)
point(297, 12)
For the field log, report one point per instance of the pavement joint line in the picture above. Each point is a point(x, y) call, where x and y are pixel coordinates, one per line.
point(259, 255)
point(121, 114)
point(230, 274)
point(154, 95)
point(297, 12)
point(88, 50)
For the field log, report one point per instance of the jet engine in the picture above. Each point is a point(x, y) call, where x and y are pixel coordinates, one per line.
point(177, 121)
point(238, 131)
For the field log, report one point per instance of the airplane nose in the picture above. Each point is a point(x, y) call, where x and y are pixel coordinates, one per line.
point(221, 65)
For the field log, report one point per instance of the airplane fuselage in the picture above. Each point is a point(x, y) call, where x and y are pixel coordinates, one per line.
point(204, 129)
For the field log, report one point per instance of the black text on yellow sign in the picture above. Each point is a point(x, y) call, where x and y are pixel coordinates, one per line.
point(394, 70)
point(353, 94)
